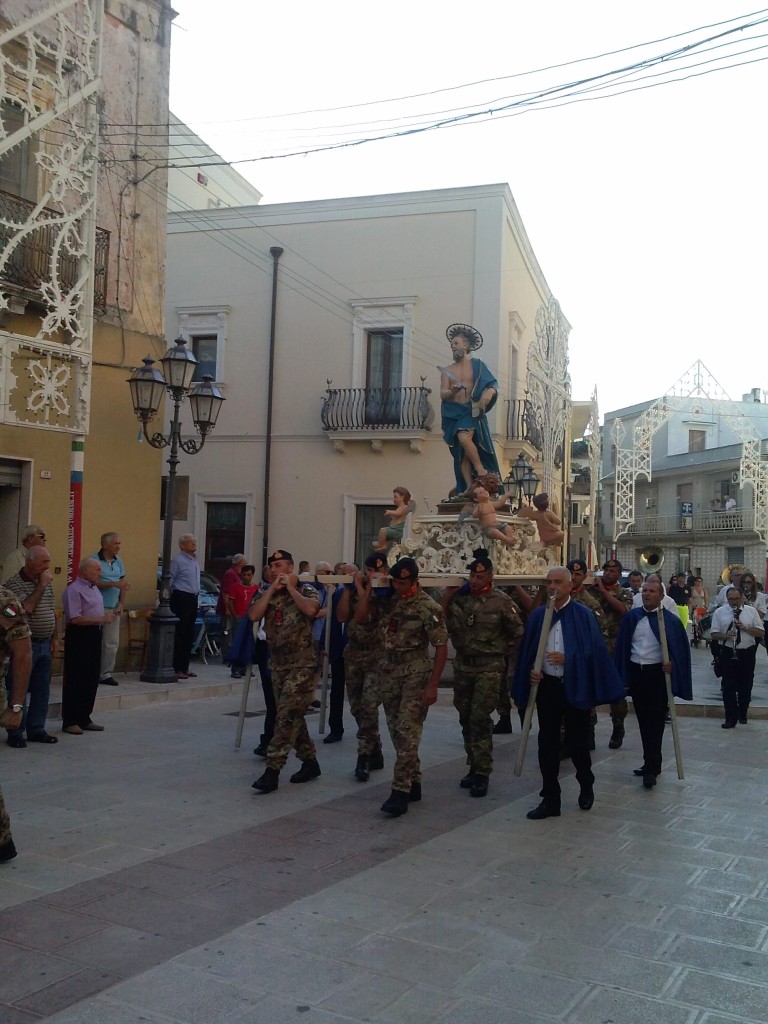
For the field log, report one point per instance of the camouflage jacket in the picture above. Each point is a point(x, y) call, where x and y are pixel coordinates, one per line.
point(362, 637)
point(13, 622)
point(289, 630)
point(485, 624)
point(409, 624)
point(610, 620)
point(582, 596)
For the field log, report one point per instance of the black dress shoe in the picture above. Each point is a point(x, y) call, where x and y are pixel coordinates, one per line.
point(261, 750)
point(268, 781)
point(617, 736)
point(109, 681)
point(396, 804)
point(728, 725)
point(586, 798)
point(16, 741)
point(309, 770)
point(504, 726)
point(415, 794)
point(376, 760)
point(479, 786)
point(743, 721)
point(468, 781)
point(649, 781)
point(41, 737)
point(362, 772)
point(544, 810)
point(334, 737)
point(639, 771)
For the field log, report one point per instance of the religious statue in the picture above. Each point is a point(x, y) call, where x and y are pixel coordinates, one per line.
point(397, 516)
point(547, 522)
point(468, 391)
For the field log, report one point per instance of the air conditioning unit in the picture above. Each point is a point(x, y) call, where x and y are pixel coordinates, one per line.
point(735, 476)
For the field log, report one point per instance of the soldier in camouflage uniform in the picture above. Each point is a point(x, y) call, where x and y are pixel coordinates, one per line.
point(288, 608)
point(14, 639)
point(409, 620)
point(484, 625)
point(363, 655)
point(614, 603)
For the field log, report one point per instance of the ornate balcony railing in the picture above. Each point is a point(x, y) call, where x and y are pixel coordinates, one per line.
point(736, 521)
point(29, 266)
point(393, 409)
point(520, 422)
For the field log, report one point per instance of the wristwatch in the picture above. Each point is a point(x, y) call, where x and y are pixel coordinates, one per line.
point(16, 708)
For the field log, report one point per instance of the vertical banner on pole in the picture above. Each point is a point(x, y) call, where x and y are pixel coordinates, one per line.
point(77, 462)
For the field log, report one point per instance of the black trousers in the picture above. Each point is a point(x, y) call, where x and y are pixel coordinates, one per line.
point(82, 667)
point(648, 691)
point(184, 607)
point(738, 676)
point(261, 659)
point(336, 702)
point(552, 709)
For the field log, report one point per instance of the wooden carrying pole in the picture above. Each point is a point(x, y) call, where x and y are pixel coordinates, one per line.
point(544, 636)
point(670, 697)
point(243, 706)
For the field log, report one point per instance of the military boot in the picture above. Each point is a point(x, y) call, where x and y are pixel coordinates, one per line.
point(362, 771)
point(479, 786)
point(415, 794)
point(376, 760)
point(396, 804)
point(468, 781)
point(309, 770)
point(504, 725)
point(268, 781)
point(617, 736)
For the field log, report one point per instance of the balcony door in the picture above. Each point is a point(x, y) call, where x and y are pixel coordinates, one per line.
point(384, 378)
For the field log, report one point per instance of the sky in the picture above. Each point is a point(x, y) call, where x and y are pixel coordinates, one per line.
point(646, 209)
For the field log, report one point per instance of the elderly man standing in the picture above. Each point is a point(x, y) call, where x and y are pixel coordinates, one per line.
point(32, 536)
point(85, 615)
point(113, 586)
point(14, 639)
point(185, 594)
point(484, 625)
point(640, 663)
point(408, 621)
point(32, 586)
point(224, 607)
point(288, 607)
point(577, 675)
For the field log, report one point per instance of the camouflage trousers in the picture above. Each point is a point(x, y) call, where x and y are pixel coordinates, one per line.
point(294, 692)
point(474, 696)
point(402, 690)
point(503, 698)
point(364, 695)
point(6, 841)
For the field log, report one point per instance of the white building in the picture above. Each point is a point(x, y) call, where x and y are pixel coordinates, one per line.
point(364, 290)
point(198, 178)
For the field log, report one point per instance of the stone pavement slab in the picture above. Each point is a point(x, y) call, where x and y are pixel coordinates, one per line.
point(153, 885)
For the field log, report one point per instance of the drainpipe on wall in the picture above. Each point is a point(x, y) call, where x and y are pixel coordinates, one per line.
point(275, 252)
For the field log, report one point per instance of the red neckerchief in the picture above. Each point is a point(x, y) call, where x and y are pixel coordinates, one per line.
point(477, 593)
point(411, 592)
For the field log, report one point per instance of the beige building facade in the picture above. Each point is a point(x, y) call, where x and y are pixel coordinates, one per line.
point(353, 297)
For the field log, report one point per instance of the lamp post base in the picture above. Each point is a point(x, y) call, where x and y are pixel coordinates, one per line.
point(162, 632)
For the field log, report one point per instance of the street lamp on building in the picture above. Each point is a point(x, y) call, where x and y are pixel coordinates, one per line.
point(522, 478)
point(148, 386)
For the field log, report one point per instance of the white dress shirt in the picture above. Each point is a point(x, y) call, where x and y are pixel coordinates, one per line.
point(722, 621)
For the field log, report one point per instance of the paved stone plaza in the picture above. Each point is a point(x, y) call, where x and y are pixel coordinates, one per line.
point(154, 886)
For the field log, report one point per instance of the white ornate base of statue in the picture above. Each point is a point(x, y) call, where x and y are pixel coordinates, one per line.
point(441, 545)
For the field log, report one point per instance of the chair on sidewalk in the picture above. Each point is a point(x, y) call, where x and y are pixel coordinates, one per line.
point(138, 638)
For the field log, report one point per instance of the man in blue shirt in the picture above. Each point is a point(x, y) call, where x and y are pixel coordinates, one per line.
point(113, 586)
point(185, 593)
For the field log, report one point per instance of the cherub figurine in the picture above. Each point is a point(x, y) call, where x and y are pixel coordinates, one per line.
point(546, 521)
point(484, 510)
point(397, 516)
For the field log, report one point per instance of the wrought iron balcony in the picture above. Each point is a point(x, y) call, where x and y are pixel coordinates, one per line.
point(386, 409)
point(521, 425)
point(736, 521)
point(29, 265)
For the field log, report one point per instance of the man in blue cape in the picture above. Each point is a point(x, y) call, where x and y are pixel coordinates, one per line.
point(577, 675)
point(468, 391)
point(639, 659)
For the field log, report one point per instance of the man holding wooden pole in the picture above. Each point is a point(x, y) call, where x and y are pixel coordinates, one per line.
point(644, 635)
point(569, 670)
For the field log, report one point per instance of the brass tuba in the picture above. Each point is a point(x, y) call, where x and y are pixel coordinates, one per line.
point(651, 559)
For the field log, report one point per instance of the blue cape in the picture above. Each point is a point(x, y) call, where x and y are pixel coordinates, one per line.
point(456, 417)
point(677, 641)
point(590, 677)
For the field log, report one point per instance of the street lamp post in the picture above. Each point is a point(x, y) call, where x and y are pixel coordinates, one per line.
point(523, 479)
point(148, 385)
